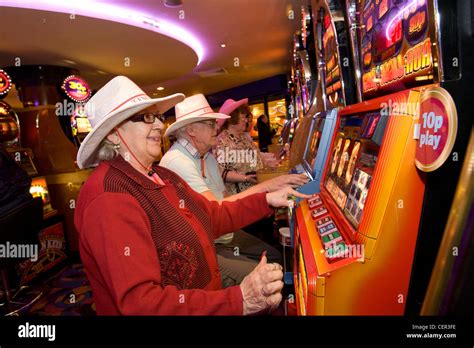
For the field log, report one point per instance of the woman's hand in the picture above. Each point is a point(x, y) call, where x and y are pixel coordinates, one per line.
point(282, 181)
point(251, 178)
point(261, 289)
point(280, 198)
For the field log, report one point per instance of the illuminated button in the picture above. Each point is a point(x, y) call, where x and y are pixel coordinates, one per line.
point(328, 228)
point(323, 221)
point(314, 202)
point(331, 238)
point(319, 211)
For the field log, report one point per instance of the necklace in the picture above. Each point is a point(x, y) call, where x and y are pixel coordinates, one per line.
point(150, 171)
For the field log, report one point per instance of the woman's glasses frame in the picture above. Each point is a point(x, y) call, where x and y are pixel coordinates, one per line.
point(148, 117)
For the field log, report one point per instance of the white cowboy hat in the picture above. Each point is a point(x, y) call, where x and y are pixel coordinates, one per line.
point(193, 109)
point(119, 99)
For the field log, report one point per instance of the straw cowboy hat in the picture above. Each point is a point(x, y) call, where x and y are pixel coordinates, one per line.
point(193, 109)
point(229, 106)
point(118, 100)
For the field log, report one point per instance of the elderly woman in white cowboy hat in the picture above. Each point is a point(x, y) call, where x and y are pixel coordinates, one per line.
point(146, 238)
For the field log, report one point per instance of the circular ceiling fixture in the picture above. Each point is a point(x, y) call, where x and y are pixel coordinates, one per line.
point(122, 13)
point(173, 3)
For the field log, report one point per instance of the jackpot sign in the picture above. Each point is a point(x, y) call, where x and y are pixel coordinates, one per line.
point(76, 88)
point(5, 82)
point(417, 59)
point(398, 48)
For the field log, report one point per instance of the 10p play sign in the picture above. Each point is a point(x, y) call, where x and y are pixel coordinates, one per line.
point(436, 130)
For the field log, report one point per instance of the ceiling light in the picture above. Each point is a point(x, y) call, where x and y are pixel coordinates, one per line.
point(173, 3)
point(223, 45)
point(160, 88)
point(115, 13)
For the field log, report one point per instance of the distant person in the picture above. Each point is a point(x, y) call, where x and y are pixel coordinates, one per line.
point(265, 133)
point(237, 155)
point(240, 159)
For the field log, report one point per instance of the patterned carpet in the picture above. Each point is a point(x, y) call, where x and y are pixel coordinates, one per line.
point(67, 292)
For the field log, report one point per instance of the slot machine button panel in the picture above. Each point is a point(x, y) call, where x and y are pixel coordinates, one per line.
point(319, 212)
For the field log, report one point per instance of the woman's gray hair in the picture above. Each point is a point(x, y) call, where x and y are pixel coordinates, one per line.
point(107, 151)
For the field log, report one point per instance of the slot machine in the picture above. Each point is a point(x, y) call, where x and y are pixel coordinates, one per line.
point(335, 87)
point(304, 80)
point(302, 86)
point(80, 126)
point(334, 53)
point(317, 146)
point(355, 241)
point(45, 118)
point(78, 91)
point(10, 129)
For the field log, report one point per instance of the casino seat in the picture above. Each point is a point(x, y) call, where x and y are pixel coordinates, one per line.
point(18, 226)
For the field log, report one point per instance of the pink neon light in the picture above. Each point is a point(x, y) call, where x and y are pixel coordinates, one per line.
point(101, 10)
point(399, 14)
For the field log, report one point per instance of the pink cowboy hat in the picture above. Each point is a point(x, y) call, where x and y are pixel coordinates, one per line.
point(229, 106)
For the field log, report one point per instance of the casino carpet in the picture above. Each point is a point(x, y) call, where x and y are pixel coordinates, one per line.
point(67, 293)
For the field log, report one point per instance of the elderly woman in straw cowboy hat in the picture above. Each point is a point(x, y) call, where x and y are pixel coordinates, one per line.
point(146, 238)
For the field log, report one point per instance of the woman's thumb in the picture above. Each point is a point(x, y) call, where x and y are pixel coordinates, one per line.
point(263, 258)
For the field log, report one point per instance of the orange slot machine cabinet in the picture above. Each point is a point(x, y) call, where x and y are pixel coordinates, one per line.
point(355, 242)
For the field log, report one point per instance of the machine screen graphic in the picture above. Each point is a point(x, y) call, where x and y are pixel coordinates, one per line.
point(352, 163)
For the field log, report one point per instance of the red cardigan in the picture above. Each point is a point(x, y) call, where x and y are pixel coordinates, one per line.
point(148, 249)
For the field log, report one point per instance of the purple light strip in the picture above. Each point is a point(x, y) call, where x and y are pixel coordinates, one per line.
point(399, 14)
point(120, 14)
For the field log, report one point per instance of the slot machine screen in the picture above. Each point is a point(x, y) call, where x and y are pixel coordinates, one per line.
point(352, 162)
point(331, 57)
point(313, 144)
point(39, 188)
point(398, 45)
point(299, 144)
point(83, 125)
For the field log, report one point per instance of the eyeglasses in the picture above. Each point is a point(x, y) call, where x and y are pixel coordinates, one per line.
point(213, 125)
point(148, 117)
